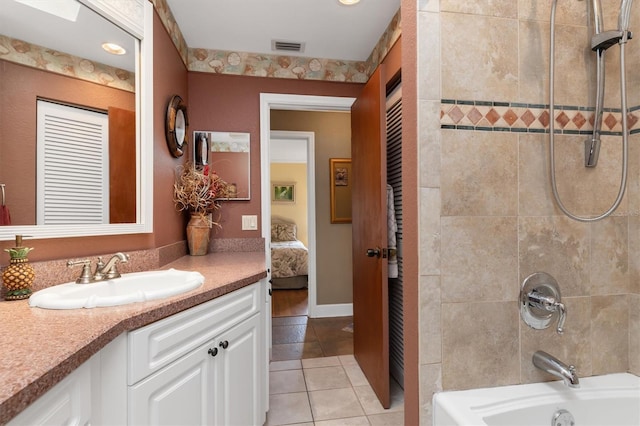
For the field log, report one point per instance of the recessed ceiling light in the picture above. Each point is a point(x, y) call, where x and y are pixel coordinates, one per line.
point(114, 49)
point(349, 2)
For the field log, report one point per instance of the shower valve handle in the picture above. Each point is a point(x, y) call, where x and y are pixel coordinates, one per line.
point(549, 303)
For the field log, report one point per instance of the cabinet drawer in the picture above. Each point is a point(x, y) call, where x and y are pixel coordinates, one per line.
point(158, 344)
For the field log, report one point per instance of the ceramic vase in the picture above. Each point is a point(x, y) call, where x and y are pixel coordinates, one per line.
point(198, 232)
point(18, 278)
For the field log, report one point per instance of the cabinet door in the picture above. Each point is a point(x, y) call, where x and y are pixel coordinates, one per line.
point(180, 394)
point(67, 403)
point(239, 382)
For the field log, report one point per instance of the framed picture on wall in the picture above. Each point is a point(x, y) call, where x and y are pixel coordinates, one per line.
point(283, 192)
point(340, 189)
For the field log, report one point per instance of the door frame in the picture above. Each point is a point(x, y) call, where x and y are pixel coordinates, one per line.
point(309, 141)
point(269, 101)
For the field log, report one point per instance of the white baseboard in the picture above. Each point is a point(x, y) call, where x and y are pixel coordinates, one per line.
point(335, 310)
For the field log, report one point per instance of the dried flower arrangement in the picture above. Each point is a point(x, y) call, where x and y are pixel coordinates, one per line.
point(198, 191)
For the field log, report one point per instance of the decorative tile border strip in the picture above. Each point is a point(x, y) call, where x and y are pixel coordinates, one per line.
point(531, 118)
point(32, 55)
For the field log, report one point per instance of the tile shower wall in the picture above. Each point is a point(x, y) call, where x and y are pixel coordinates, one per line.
point(488, 218)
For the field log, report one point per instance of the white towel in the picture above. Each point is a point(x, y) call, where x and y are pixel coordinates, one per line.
point(392, 228)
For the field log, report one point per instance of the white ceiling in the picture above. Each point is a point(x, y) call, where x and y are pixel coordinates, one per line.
point(82, 37)
point(328, 29)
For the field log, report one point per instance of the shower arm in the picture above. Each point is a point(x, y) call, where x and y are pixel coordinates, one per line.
point(626, 4)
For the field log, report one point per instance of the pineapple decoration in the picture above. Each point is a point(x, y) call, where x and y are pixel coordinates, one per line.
point(18, 276)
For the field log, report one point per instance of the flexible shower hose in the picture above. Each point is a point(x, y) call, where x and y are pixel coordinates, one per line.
point(623, 106)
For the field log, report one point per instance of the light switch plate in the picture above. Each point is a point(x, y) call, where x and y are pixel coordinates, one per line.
point(249, 222)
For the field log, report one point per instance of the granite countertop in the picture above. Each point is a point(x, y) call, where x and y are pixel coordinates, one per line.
point(40, 347)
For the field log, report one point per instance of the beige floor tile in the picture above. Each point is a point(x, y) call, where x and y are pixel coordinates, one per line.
point(327, 361)
point(301, 424)
point(351, 421)
point(348, 359)
point(326, 378)
point(355, 374)
point(286, 381)
point(387, 419)
point(334, 404)
point(288, 408)
point(293, 364)
point(371, 404)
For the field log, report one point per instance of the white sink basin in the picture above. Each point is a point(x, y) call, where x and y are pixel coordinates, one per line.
point(130, 288)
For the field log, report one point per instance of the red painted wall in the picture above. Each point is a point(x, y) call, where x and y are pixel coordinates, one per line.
point(21, 88)
point(232, 103)
point(215, 102)
point(169, 78)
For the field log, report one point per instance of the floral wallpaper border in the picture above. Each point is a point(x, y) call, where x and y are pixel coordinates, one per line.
point(32, 55)
point(277, 66)
point(204, 60)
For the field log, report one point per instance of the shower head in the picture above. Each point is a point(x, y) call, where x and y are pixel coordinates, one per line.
point(625, 15)
point(602, 40)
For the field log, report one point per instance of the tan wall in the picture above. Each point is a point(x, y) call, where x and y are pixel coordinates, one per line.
point(488, 219)
point(333, 241)
point(296, 212)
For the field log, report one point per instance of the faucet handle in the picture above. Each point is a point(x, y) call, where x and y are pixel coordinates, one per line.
point(98, 276)
point(562, 311)
point(540, 301)
point(85, 275)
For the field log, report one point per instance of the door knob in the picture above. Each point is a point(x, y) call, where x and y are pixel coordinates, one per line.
point(213, 351)
point(224, 345)
point(373, 252)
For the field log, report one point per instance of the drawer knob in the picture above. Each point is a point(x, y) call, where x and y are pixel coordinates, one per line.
point(213, 351)
point(224, 344)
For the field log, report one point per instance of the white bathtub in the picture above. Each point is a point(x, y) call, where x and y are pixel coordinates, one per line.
point(612, 400)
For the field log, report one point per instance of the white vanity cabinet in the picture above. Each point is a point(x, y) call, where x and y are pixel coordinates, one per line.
point(206, 365)
point(67, 403)
point(201, 366)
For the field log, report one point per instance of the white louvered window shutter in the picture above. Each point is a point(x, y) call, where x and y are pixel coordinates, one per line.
point(73, 165)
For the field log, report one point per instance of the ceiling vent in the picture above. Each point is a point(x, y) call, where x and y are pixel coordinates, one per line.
point(287, 46)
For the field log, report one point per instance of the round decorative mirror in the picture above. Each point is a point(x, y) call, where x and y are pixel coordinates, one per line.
point(176, 123)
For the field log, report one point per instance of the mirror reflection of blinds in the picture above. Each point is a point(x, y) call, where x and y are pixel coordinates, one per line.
point(73, 165)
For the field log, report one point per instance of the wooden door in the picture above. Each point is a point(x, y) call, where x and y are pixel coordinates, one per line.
point(122, 166)
point(369, 227)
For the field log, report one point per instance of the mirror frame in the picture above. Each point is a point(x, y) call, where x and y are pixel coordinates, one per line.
point(216, 137)
point(175, 126)
point(143, 32)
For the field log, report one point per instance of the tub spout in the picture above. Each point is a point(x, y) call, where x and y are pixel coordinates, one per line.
point(554, 366)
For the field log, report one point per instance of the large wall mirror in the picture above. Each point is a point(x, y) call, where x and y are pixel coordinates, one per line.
point(51, 53)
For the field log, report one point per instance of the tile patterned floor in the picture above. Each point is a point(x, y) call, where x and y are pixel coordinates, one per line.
point(327, 391)
point(301, 337)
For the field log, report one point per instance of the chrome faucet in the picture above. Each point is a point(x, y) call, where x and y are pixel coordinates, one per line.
point(554, 366)
point(104, 271)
